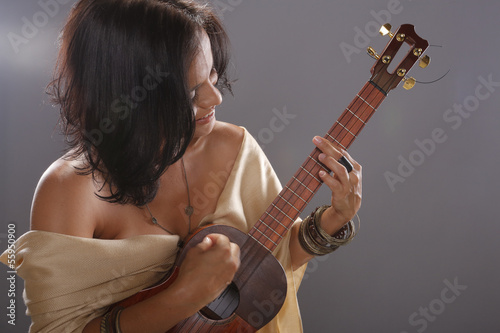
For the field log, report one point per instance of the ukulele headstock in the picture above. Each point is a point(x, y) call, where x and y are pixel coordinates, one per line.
point(386, 80)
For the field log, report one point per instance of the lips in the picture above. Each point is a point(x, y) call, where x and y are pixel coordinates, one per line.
point(207, 116)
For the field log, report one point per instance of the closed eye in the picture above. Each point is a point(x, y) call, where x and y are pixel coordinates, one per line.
point(213, 78)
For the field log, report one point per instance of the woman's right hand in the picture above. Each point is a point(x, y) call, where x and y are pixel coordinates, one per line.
point(207, 270)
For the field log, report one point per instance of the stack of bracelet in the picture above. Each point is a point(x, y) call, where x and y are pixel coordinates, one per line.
point(110, 323)
point(316, 241)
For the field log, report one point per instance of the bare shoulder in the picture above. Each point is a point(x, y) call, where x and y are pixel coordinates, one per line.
point(228, 135)
point(223, 146)
point(64, 200)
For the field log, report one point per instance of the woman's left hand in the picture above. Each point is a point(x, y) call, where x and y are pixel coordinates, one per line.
point(345, 187)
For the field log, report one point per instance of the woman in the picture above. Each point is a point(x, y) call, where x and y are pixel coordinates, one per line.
point(138, 83)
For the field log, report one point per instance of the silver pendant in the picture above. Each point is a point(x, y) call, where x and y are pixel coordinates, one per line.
point(189, 210)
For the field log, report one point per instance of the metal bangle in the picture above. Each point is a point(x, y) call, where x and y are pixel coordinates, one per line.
point(110, 322)
point(310, 241)
point(341, 237)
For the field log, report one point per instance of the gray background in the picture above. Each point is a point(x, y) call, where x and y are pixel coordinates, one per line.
point(437, 228)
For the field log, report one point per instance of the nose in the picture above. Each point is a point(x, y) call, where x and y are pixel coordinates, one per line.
point(211, 97)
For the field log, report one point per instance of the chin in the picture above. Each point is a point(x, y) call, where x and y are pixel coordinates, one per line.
point(203, 130)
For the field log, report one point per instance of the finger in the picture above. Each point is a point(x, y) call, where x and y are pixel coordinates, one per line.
point(327, 147)
point(338, 169)
point(206, 243)
point(355, 176)
point(220, 240)
point(334, 150)
point(235, 250)
point(333, 184)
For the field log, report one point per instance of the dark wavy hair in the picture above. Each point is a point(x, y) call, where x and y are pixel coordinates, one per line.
point(121, 84)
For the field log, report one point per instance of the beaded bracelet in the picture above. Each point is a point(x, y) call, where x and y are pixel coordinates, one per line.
point(110, 323)
point(315, 241)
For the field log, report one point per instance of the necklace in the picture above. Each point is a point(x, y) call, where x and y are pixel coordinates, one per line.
point(188, 210)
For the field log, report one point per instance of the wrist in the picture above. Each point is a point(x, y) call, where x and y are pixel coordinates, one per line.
point(331, 222)
point(189, 301)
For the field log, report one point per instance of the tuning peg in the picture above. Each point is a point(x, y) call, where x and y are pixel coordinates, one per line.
point(409, 83)
point(372, 53)
point(424, 61)
point(386, 30)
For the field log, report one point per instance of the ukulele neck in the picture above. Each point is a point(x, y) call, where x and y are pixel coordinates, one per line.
point(279, 217)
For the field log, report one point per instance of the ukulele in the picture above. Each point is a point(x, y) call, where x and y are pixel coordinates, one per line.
point(259, 287)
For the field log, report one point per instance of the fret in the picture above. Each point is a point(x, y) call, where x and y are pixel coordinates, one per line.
point(354, 123)
point(346, 129)
point(315, 161)
point(269, 227)
point(310, 174)
point(338, 132)
point(336, 141)
point(282, 212)
point(319, 164)
point(288, 203)
point(276, 220)
point(361, 98)
point(298, 196)
point(303, 184)
point(354, 114)
point(263, 234)
point(272, 217)
point(255, 239)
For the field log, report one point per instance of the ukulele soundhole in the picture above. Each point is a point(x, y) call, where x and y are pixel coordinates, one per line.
point(224, 305)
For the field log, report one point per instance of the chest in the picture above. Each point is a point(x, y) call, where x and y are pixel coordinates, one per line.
point(181, 187)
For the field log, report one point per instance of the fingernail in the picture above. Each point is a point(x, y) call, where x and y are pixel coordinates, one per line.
point(321, 157)
point(322, 173)
point(317, 139)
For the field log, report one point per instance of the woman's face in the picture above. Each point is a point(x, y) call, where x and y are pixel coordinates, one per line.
point(202, 79)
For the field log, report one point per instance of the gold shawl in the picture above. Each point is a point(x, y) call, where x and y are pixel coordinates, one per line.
point(71, 280)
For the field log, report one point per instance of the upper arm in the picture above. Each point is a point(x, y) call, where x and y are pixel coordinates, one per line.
point(63, 202)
